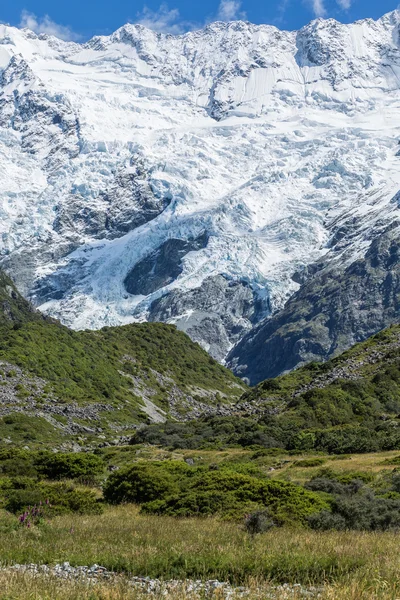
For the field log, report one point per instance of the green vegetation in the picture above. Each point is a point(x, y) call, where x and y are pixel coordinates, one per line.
point(349, 565)
point(255, 518)
point(85, 366)
point(24, 429)
point(14, 309)
point(139, 483)
point(19, 494)
point(291, 491)
point(111, 369)
point(349, 404)
point(82, 466)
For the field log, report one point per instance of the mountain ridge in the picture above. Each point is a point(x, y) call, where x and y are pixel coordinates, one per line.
point(266, 142)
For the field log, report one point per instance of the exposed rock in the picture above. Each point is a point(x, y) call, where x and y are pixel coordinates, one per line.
point(341, 304)
point(216, 315)
point(156, 588)
point(163, 266)
point(127, 203)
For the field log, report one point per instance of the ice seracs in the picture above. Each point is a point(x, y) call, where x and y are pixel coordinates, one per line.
point(256, 138)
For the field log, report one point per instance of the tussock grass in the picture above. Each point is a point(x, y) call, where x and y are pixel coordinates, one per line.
point(284, 466)
point(167, 548)
point(349, 565)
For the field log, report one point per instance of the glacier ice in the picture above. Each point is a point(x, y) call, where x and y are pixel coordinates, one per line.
point(259, 137)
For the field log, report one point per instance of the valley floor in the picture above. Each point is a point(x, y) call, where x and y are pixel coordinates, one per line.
point(334, 565)
point(283, 563)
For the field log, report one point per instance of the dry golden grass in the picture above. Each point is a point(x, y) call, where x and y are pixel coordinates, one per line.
point(350, 565)
point(284, 466)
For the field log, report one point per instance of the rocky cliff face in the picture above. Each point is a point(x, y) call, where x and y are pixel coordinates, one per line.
point(217, 314)
point(117, 156)
point(341, 303)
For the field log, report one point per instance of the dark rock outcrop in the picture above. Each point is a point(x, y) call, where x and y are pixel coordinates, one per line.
point(161, 267)
point(340, 304)
point(127, 203)
point(217, 314)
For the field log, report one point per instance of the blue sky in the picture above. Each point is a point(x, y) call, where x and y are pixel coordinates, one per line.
point(81, 19)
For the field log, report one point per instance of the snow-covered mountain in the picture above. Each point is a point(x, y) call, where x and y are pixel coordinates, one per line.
point(187, 178)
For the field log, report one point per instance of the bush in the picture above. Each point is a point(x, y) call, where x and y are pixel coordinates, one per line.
point(56, 498)
point(332, 486)
point(258, 522)
point(268, 452)
point(232, 495)
point(367, 512)
point(139, 483)
point(70, 499)
point(345, 476)
point(80, 465)
point(14, 462)
point(200, 503)
point(355, 506)
point(326, 520)
point(19, 500)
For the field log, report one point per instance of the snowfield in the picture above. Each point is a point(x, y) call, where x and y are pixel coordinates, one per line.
point(259, 138)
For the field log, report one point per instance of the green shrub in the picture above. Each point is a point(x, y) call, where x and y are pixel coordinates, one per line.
point(367, 512)
point(80, 465)
point(196, 503)
point(258, 522)
point(18, 500)
point(332, 486)
point(232, 495)
point(355, 506)
point(345, 476)
point(326, 520)
point(266, 452)
point(18, 466)
point(55, 498)
point(70, 499)
point(139, 483)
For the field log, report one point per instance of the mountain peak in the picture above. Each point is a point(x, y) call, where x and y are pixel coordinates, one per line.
point(213, 165)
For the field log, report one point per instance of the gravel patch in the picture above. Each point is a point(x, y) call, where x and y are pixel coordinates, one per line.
point(157, 587)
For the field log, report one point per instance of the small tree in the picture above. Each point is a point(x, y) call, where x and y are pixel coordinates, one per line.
point(139, 483)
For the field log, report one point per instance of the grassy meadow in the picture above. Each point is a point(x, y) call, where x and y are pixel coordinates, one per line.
point(348, 564)
point(342, 565)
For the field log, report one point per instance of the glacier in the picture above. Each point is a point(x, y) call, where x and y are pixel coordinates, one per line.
point(119, 154)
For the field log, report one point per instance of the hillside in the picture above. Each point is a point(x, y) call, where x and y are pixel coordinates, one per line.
point(347, 404)
point(59, 385)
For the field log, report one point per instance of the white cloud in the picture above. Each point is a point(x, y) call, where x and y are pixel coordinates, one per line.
point(344, 4)
point(282, 8)
point(47, 25)
point(319, 8)
point(166, 20)
point(229, 10)
point(163, 20)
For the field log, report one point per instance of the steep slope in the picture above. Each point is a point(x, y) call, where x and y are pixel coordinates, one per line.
point(342, 301)
point(219, 160)
point(345, 405)
point(14, 309)
point(61, 385)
